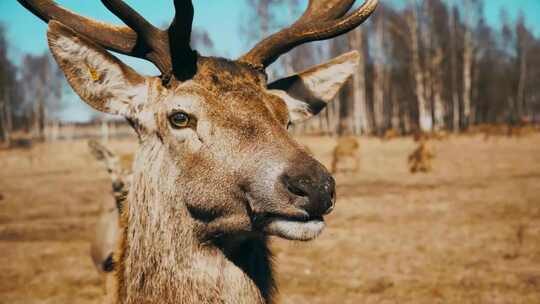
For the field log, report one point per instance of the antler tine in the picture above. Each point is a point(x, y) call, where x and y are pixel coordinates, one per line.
point(131, 18)
point(179, 32)
point(152, 43)
point(120, 39)
point(325, 10)
point(138, 39)
point(322, 20)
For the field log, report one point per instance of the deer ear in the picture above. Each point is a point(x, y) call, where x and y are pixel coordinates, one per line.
point(308, 92)
point(99, 78)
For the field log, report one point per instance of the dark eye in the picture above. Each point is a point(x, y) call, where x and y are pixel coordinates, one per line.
point(289, 125)
point(179, 120)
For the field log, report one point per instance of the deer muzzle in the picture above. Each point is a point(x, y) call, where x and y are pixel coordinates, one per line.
point(311, 192)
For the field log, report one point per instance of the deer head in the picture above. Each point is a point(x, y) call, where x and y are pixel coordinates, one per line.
point(213, 132)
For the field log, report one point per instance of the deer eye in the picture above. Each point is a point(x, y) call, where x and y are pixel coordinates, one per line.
point(179, 120)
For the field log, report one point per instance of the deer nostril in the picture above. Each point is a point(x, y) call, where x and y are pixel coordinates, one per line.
point(117, 186)
point(294, 186)
point(296, 191)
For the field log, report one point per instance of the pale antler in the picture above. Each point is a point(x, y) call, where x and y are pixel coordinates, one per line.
point(323, 19)
point(168, 49)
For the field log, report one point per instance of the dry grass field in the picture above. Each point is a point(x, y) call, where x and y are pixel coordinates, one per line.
point(468, 232)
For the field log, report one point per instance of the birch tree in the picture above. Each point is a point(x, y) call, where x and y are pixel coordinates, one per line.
point(361, 117)
point(522, 45)
point(467, 65)
point(424, 120)
point(454, 71)
point(379, 77)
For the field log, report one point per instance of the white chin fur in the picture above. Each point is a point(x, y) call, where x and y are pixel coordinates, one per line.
point(294, 230)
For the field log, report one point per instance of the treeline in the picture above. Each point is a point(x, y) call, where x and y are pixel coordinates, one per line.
point(30, 93)
point(427, 66)
point(431, 65)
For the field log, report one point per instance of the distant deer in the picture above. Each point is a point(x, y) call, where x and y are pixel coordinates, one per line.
point(345, 155)
point(420, 159)
point(108, 224)
point(216, 172)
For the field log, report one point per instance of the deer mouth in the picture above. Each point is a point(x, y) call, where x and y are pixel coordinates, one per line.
point(295, 226)
point(295, 229)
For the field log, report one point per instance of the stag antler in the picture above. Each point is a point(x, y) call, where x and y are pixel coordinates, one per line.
point(168, 49)
point(323, 19)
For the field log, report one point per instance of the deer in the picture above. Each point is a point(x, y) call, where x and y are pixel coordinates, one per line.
point(420, 159)
point(216, 173)
point(345, 155)
point(108, 225)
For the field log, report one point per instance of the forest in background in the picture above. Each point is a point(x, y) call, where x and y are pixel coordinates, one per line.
point(429, 66)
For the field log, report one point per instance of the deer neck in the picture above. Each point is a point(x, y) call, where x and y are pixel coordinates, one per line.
point(163, 260)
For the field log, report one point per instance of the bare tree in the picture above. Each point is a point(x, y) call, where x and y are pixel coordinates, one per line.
point(8, 90)
point(436, 35)
point(262, 20)
point(454, 71)
point(43, 84)
point(379, 77)
point(361, 117)
point(523, 38)
point(5, 119)
point(467, 65)
point(424, 120)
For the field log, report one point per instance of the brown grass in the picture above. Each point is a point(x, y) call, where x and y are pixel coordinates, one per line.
point(467, 232)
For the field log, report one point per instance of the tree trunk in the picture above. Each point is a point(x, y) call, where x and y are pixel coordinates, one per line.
point(467, 68)
point(522, 78)
point(395, 121)
point(3, 124)
point(424, 120)
point(387, 101)
point(361, 115)
point(379, 78)
point(345, 124)
point(36, 119)
point(334, 117)
point(439, 109)
point(453, 70)
point(6, 123)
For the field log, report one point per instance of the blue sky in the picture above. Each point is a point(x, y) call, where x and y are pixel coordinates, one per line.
point(221, 18)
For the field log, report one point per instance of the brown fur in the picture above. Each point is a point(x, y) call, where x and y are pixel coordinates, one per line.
point(205, 196)
point(139, 263)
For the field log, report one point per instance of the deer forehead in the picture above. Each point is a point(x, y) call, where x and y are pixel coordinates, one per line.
point(223, 86)
point(242, 107)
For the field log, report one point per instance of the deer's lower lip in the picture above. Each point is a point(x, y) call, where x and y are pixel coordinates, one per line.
point(294, 228)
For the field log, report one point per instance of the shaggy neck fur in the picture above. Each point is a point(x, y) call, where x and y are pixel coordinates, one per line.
point(163, 261)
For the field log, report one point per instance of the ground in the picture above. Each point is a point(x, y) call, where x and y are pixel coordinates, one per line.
point(468, 232)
